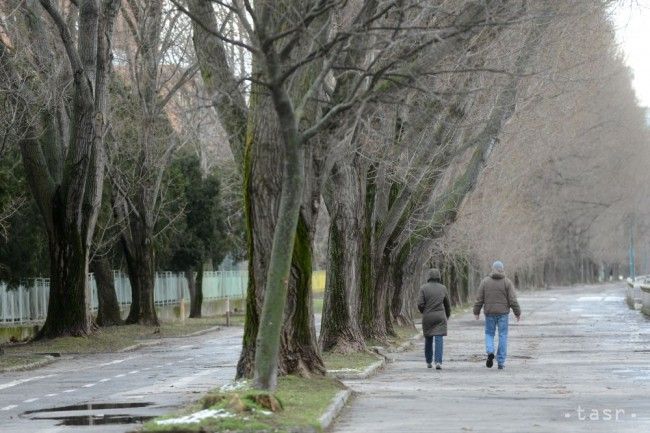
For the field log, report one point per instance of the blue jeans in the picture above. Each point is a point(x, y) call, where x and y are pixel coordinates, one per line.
point(492, 322)
point(428, 349)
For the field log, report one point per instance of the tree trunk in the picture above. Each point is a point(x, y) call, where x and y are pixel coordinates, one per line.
point(368, 277)
point(191, 287)
point(374, 324)
point(108, 309)
point(289, 229)
point(340, 330)
point(407, 284)
point(260, 150)
point(196, 294)
point(68, 313)
point(139, 254)
point(298, 353)
point(131, 269)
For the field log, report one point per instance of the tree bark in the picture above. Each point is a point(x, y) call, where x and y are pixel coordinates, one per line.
point(218, 79)
point(260, 148)
point(298, 353)
point(191, 286)
point(340, 329)
point(108, 309)
point(139, 253)
point(68, 311)
point(196, 300)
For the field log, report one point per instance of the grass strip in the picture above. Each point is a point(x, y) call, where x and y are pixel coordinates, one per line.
point(115, 338)
point(17, 362)
point(355, 361)
point(297, 405)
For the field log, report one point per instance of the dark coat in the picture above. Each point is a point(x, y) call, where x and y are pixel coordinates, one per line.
point(434, 305)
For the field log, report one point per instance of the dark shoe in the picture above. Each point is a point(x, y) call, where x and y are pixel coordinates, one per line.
point(438, 366)
point(501, 367)
point(490, 361)
point(429, 365)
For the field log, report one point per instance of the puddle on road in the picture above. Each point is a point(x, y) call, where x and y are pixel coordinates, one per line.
point(99, 419)
point(89, 406)
point(94, 418)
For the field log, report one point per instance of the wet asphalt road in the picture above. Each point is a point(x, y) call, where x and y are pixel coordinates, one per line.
point(579, 361)
point(156, 378)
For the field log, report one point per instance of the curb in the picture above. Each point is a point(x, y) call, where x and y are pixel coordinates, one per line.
point(139, 346)
point(38, 364)
point(334, 409)
point(160, 340)
point(365, 374)
point(405, 345)
point(202, 331)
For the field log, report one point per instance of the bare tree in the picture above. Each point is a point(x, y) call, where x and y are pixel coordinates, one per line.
point(63, 151)
point(157, 66)
point(307, 72)
point(564, 168)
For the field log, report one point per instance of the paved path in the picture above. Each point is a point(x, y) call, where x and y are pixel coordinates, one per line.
point(577, 360)
point(162, 377)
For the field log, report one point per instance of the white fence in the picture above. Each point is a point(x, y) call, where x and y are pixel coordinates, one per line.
point(27, 304)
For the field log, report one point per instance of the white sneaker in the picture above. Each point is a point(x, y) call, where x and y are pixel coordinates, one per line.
point(438, 366)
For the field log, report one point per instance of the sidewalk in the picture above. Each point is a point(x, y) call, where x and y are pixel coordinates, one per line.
point(577, 362)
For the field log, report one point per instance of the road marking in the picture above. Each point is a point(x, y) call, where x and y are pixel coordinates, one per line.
point(19, 381)
point(134, 371)
point(117, 361)
point(31, 400)
point(89, 385)
point(11, 406)
point(51, 395)
point(70, 390)
point(590, 298)
point(104, 380)
point(119, 375)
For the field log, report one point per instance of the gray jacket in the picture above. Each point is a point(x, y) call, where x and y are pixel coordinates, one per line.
point(496, 295)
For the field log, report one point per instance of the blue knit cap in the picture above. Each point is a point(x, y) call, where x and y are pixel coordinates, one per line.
point(497, 266)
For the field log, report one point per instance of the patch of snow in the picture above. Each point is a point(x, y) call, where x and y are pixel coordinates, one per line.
point(234, 386)
point(196, 417)
point(262, 411)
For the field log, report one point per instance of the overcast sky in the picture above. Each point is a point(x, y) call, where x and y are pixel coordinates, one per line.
point(632, 20)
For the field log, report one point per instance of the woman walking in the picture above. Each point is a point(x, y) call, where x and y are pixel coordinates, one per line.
point(434, 305)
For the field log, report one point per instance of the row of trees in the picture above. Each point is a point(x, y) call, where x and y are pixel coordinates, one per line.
point(565, 186)
point(383, 114)
point(97, 96)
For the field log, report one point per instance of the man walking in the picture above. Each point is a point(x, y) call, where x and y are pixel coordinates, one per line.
point(496, 295)
point(434, 305)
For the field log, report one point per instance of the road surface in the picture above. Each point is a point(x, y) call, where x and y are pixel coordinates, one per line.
point(120, 388)
point(579, 361)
